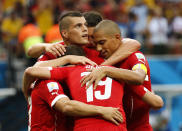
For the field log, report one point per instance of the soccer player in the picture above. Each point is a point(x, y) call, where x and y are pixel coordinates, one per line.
point(109, 93)
point(128, 47)
point(107, 36)
point(47, 99)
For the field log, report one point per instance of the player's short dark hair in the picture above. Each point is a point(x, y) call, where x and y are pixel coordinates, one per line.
point(92, 18)
point(74, 50)
point(63, 23)
point(108, 27)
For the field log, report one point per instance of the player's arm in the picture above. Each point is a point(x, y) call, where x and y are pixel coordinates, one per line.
point(55, 62)
point(129, 76)
point(80, 109)
point(30, 75)
point(136, 76)
point(27, 81)
point(38, 72)
point(147, 96)
point(33, 73)
point(69, 59)
point(153, 100)
point(127, 48)
point(56, 49)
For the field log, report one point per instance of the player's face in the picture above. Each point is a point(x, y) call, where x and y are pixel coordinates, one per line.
point(90, 37)
point(78, 32)
point(106, 44)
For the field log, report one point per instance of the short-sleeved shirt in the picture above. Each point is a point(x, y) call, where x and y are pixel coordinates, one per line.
point(137, 111)
point(109, 93)
point(42, 115)
point(68, 121)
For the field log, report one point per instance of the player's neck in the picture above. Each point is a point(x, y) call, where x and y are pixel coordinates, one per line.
point(67, 42)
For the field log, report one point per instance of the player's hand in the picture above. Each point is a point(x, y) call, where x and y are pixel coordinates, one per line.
point(56, 49)
point(73, 59)
point(112, 114)
point(95, 76)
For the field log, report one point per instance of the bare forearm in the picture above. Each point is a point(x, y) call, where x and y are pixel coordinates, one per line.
point(38, 72)
point(153, 100)
point(76, 108)
point(126, 49)
point(53, 63)
point(36, 50)
point(128, 76)
point(27, 81)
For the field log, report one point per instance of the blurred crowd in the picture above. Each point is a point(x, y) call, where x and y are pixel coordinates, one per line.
point(157, 24)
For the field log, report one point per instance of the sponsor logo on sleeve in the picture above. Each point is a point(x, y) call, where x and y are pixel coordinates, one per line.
point(140, 56)
point(52, 86)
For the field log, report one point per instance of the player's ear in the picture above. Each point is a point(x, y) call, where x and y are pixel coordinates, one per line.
point(117, 36)
point(64, 34)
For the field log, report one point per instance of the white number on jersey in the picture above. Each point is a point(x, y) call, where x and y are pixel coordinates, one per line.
point(91, 93)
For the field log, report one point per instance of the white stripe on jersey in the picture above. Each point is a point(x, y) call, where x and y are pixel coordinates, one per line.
point(56, 99)
point(147, 78)
point(29, 112)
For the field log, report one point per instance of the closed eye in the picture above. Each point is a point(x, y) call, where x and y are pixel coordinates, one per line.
point(101, 42)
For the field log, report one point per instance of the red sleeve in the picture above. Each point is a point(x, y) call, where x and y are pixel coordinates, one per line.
point(60, 73)
point(46, 56)
point(51, 91)
point(136, 58)
point(138, 90)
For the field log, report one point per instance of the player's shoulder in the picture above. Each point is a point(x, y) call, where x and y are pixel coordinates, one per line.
point(45, 83)
point(46, 86)
point(138, 55)
point(130, 41)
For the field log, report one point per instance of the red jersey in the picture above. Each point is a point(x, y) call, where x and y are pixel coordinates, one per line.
point(42, 117)
point(93, 55)
point(108, 93)
point(61, 120)
point(48, 55)
point(137, 111)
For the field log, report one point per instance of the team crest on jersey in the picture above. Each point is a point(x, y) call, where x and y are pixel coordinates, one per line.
point(52, 86)
point(140, 56)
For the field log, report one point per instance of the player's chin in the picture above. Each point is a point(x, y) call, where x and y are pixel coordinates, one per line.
point(84, 41)
point(104, 55)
